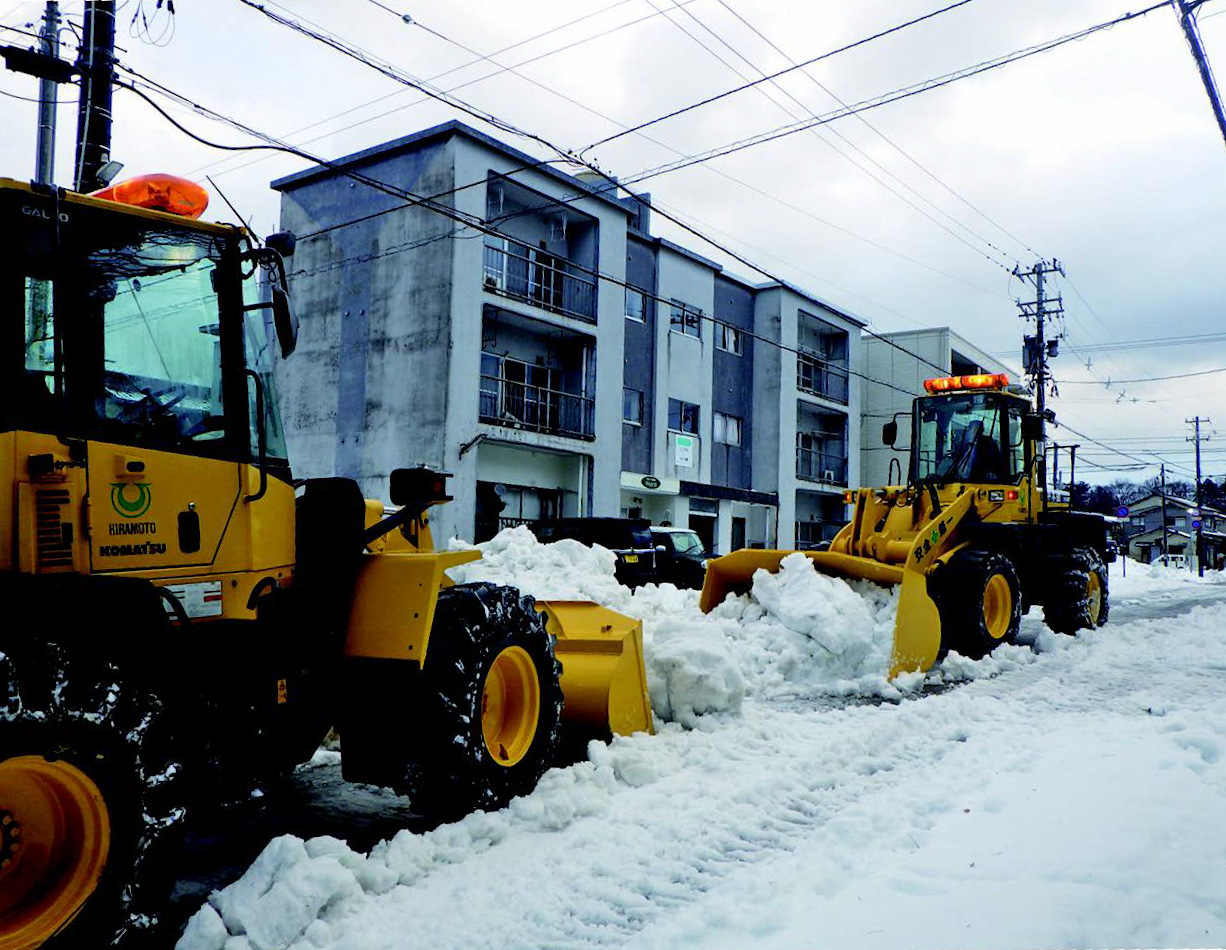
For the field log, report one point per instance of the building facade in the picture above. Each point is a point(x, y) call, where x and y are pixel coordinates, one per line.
point(556, 357)
point(896, 365)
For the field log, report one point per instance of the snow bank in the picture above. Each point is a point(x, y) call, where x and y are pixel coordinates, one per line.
point(1135, 579)
point(1090, 781)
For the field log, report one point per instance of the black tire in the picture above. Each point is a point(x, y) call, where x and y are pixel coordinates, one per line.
point(458, 772)
point(980, 602)
point(1077, 594)
point(63, 706)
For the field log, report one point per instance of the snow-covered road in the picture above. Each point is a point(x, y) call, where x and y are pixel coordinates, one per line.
point(1066, 797)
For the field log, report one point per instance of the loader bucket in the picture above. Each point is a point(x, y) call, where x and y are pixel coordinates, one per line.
point(917, 629)
point(604, 681)
point(733, 573)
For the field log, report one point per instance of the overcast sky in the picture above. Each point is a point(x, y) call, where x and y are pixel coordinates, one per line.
point(1102, 153)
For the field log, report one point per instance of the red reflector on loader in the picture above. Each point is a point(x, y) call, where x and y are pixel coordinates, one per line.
point(941, 384)
point(159, 192)
point(1011, 494)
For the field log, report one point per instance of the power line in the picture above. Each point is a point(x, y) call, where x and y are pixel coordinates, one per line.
point(462, 66)
point(1191, 339)
point(782, 72)
point(1146, 379)
point(839, 135)
point(889, 141)
point(886, 98)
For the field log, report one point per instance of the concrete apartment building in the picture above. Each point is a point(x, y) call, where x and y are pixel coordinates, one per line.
point(905, 359)
point(570, 364)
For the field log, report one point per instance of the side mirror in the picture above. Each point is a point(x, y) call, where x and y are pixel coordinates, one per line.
point(1032, 427)
point(661, 549)
point(284, 320)
point(889, 433)
point(283, 242)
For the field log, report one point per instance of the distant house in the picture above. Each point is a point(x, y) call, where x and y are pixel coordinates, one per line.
point(1144, 535)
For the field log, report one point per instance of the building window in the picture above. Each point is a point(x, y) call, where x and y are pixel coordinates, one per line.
point(728, 338)
point(632, 406)
point(636, 305)
point(685, 319)
point(682, 416)
point(727, 429)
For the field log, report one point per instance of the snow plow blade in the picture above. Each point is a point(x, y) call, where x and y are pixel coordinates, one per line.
point(604, 681)
point(917, 630)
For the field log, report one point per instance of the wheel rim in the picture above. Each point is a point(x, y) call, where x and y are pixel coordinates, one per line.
point(55, 834)
point(997, 606)
point(510, 706)
point(1094, 591)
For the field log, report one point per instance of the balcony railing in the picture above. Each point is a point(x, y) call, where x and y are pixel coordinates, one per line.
point(819, 378)
point(815, 466)
point(505, 402)
point(809, 534)
point(552, 283)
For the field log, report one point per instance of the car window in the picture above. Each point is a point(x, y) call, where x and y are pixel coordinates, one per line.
point(687, 542)
point(640, 536)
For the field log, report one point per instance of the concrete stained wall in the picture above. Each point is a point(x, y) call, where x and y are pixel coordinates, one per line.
point(684, 364)
point(639, 359)
point(366, 390)
point(732, 385)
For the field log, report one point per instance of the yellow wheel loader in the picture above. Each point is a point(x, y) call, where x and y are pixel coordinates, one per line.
point(972, 538)
point(183, 622)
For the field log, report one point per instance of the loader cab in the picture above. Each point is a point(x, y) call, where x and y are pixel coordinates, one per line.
point(969, 433)
point(138, 415)
point(128, 326)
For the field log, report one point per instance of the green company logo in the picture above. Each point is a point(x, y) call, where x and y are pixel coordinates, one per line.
point(131, 507)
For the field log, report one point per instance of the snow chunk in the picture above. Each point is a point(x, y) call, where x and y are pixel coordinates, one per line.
point(283, 893)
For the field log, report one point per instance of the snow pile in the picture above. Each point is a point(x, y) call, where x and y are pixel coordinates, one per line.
point(563, 570)
point(801, 633)
point(1135, 579)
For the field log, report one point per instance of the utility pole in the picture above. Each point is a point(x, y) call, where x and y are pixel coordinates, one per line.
point(48, 98)
point(97, 67)
point(1200, 515)
point(1037, 349)
point(1166, 559)
point(1185, 11)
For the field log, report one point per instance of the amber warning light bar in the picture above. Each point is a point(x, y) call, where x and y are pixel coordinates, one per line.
point(160, 193)
point(944, 384)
